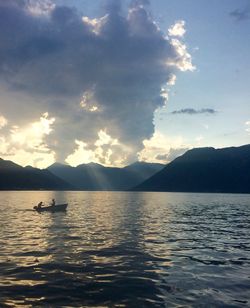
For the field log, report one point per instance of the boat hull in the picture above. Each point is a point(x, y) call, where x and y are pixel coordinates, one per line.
point(52, 208)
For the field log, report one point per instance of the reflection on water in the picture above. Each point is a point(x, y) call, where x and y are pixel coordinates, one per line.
point(125, 249)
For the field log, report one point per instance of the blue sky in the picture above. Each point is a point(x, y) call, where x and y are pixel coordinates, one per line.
point(114, 124)
point(222, 76)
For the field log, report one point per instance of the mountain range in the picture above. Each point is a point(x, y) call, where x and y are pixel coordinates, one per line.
point(224, 170)
point(15, 177)
point(97, 177)
point(83, 177)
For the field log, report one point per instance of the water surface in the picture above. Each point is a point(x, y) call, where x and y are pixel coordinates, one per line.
point(125, 249)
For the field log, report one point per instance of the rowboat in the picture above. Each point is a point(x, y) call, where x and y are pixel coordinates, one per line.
point(51, 208)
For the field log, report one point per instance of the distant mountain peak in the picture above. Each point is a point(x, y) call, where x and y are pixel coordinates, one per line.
point(8, 164)
point(58, 165)
point(15, 177)
point(138, 163)
point(144, 164)
point(29, 167)
point(92, 165)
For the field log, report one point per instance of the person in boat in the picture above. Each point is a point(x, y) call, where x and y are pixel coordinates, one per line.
point(39, 205)
point(53, 202)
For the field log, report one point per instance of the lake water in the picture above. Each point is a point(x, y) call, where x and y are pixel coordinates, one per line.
point(122, 249)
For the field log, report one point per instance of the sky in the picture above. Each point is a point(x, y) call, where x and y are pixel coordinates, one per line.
point(114, 81)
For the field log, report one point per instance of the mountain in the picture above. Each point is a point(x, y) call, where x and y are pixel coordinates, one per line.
point(15, 177)
point(145, 170)
point(97, 177)
point(224, 170)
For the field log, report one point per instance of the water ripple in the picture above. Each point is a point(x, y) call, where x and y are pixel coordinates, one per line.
point(125, 250)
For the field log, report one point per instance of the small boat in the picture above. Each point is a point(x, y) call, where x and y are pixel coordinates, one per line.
point(51, 208)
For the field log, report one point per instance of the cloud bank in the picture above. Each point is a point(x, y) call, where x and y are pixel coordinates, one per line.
point(90, 75)
point(163, 149)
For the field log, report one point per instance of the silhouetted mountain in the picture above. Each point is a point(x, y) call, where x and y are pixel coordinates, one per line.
point(204, 170)
point(146, 170)
point(97, 177)
point(15, 177)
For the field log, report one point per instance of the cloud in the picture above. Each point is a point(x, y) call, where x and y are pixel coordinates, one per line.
point(192, 111)
point(178, 29)
point(172, 154)
point(139, 3)
point(3, 121)
point(40, 7)
point(26, 145)
point(108, 151)
point(184, 59)
point(81, 155)
point(199, 139)
point(162, 149)
point(241, 14)
point(172, 80)
point(90, 74)
point(16, 3)
point(247, 127)
point(32, 136)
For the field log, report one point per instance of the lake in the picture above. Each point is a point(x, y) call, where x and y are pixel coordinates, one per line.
point(125, 249)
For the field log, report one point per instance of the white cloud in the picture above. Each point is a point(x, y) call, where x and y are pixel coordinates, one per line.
point(88, 102)
point(247, 127)
point(35, 159)
point(160, 148)
point(40, 7)
point(26, 144)
point(172, 80)
point(165, 93)
point(81, 155)
point(95, 24)
point(104, 139)
point(165, 89)
point(94, 108)
point(184, 59)
point(32, 135)
point(178, 29)
point(107, 151)
point(4, 146)
point(3, 121)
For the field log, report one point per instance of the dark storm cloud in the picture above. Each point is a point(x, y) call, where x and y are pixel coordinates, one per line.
point(112, 6)
point(192, 111)
point(20, 3)
point(241, 14)
point(55, 57)
point(137, 3)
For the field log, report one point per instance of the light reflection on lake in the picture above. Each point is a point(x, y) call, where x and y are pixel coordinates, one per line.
point(121, 248)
